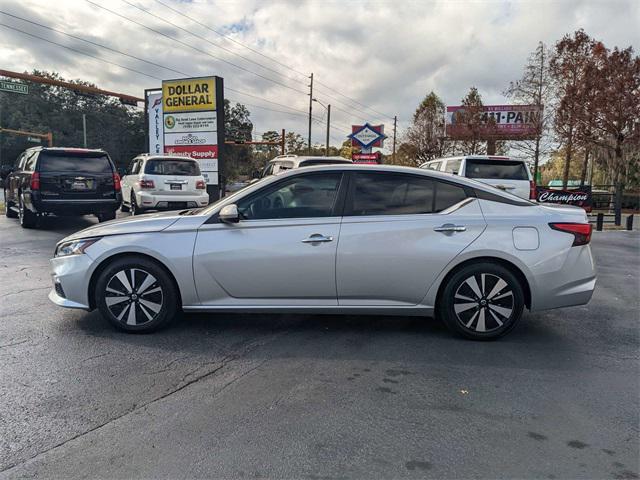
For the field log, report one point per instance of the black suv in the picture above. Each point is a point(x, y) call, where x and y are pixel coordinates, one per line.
point(62, 181)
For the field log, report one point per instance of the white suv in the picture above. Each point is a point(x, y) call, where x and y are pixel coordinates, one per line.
point(162, 182)
point(286, 162)
point(505, 173)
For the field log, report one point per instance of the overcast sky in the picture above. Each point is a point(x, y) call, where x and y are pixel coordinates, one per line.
point(386, 55)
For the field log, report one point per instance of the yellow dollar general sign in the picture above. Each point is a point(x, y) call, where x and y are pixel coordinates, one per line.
point(189, 95)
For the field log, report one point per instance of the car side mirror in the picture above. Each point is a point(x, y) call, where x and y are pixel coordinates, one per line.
point(229, 214)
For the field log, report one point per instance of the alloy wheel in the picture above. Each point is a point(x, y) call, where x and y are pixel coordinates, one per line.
point(134, 296)
point(483, 302)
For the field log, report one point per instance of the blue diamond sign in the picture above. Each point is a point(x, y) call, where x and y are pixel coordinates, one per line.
point(367, 135)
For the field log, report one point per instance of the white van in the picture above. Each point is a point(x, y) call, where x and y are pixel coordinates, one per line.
point(286, 162)
point(505, 173)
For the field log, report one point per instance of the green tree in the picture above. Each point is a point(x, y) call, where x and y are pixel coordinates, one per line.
point(471, 117)
point(426, 133)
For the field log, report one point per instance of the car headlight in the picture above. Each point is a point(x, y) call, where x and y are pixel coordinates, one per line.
point(74, 247)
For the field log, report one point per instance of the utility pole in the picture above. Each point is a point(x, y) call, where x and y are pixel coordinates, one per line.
point(326, 147)
point(395, 127)
point(310, 112)
point(84, 129)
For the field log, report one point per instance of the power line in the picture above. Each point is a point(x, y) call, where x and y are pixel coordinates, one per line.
point(199, 50)
point(148, 12)
point(184, 15)
point(79, 51)
point(230, 38)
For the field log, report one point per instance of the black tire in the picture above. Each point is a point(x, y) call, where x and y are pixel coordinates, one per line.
point(28, 219)
point(9, 213)
point(481, 311)
point(106, 216)
point(142, 296)
point(135, 210)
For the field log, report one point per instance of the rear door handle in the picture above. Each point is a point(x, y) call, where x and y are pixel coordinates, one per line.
point(450, 227)
point(317, 238)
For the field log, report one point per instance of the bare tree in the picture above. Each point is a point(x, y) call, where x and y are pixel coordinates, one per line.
point(535, 87)
point(568, 67)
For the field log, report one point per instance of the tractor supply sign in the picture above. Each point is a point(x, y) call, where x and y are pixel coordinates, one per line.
point(191, 123)
point(498, 122)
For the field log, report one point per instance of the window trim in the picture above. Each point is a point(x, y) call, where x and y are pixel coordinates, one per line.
point(336, 210)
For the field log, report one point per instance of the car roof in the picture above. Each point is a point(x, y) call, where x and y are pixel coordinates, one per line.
point(447, 177)
point(475, 157)
point(298, 159)
point(147, 156)
point(67, 149)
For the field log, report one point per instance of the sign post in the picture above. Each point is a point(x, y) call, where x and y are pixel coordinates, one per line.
point(186, 117)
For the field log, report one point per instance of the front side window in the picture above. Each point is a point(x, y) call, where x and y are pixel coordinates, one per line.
point(178, 167)
point(304, 196)
point(383, 194)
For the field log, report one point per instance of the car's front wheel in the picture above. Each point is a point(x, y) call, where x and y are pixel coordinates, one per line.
point(482, 301)
point(136, 295)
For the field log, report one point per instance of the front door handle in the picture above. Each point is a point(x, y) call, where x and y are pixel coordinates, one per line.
point(317, 238)
point(450, 227)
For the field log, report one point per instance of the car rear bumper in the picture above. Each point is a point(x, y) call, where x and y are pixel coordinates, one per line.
point(168, 201)
point(75, 206)
point(571, 284)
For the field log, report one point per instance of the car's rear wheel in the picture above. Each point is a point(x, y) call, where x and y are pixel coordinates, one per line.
point(482, 301)
point(28, 219)
point(135, 209)
point(136, 295)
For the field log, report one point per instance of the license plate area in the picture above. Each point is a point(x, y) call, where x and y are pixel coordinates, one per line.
point(175, 186)
point(82, 185)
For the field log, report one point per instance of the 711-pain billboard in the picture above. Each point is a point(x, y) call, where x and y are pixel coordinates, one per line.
point(498, 122)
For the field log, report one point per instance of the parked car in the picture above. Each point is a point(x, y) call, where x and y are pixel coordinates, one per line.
point(505, 173)
point(282, 163)
point(337, 239)
point(62, 181)
point(163, 182)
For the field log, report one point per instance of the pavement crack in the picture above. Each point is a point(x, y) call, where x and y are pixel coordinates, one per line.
point(25, 290)
point(14, 343)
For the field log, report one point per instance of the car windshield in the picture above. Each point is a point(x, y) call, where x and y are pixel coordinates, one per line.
point(75, 163)
point(501, 169)
point(188, 168)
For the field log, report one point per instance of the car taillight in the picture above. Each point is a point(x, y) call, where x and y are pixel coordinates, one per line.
point(581, 231)
point(533, 195)
point(35, 181)
point(201, 185)
point(116, 182)
point(146, 184)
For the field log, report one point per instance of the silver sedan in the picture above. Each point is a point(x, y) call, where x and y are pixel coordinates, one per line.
point(336, 239)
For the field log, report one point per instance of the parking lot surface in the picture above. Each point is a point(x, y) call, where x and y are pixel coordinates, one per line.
point(315, 397)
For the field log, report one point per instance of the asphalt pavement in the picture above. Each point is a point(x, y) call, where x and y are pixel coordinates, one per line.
point(315, 397)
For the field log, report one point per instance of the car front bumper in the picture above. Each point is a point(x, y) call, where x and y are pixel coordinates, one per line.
point(71, 276)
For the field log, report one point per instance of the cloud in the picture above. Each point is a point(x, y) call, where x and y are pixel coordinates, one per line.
point(385, 54)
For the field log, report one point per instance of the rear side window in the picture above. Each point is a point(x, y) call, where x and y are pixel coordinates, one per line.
point(448, 195)
point(452, 166)
point(74, 163)
point(186, 168)
point(382, 194)
point(499, 169)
